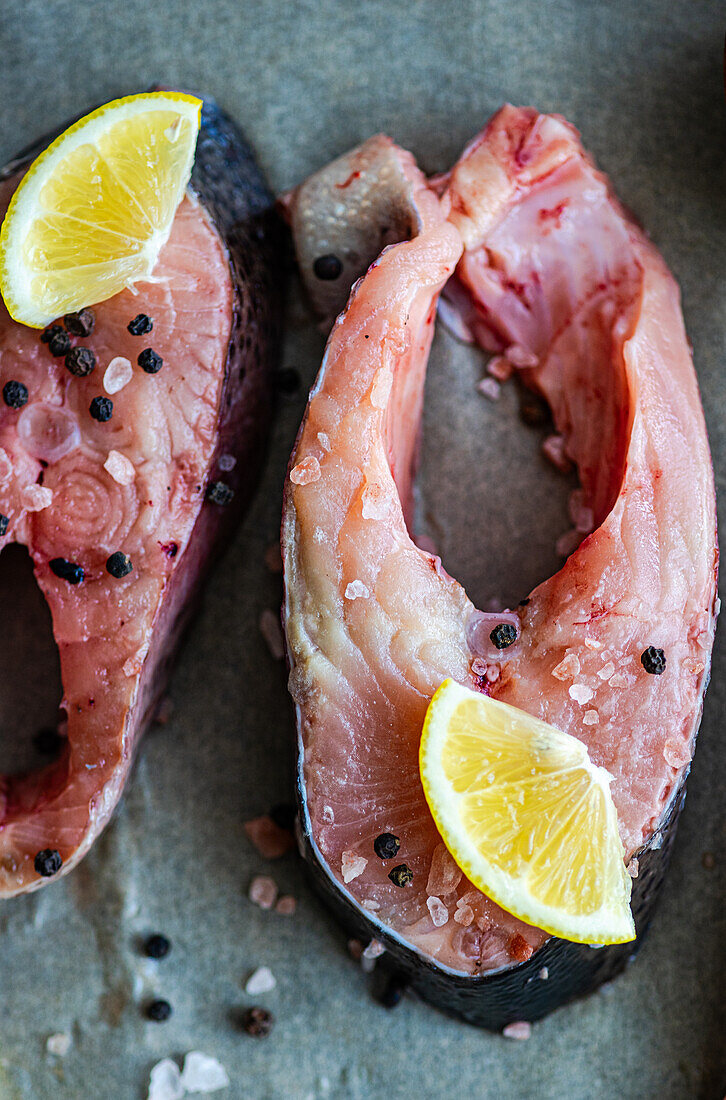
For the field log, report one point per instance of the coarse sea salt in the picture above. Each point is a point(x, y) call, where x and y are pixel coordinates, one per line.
point(202, 1073)
point(271, 631)
point(590, 718)
point(58, 1044)
point(118, 374)
point(120, 468)
point(352, 865)
point(263, 891)
point(34, 498)
point(306, 472)
point(438, 911)
point(165, 1081)
point(520, 1029)
point(357, 590)
point(489, 388)
point(581, 693)
point(568, 667)
point(374, 950)
point(606, 671)
point(261, 980)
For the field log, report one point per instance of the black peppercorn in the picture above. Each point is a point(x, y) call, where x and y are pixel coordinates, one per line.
point(59, 344)
point(653, 660)
point(140, 325)
point(327, 267)
point(119, 564)
point(48, 333)
point(80, 361)
point(67, 570)
point(4, 521)
point(219, 493)
point(258, 1022)
point(157, 946)
point(503, 635)
point(15, 394)
point(48, 862)
point(386, 845)
point(101, 409)
point(149, 361)
point(158, 1011)
point(81, 323)
point(401, 875)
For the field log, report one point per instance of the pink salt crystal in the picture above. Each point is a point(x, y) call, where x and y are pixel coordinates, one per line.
point(464, 915)
point(306, 471)
point(606, 671)
point(500, 368)
point(633, 868)
point(592, 643)
point(374, 950)
point(618, 680)
point(590, 718)
point(273, 557)
point(286, 905)
point(381, 388)
point(479, 666)
point(133, 665)
point(568, 667)
point(370, 904)
point(263, 891)
point(356, 590)
point(271, 631)
point(568, 542)
point(120, 468)
point(445, 874)
point(489, 388)
point(676, 753)
point(692, 666)
point(520, 1029)
point(352, 865)
point(6, 466)
point(553, 449)
point(581, 693)
point(493, 673)
point(268, 838)
point(34, 498)
point(439, 912)
point(118, 374)
point(520, 357)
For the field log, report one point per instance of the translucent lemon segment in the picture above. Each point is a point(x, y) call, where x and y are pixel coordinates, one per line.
point(526, 815)
point(92, 213)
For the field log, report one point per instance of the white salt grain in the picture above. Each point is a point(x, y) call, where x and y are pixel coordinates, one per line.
point(590, 718)
point(34, 498)
point(202, 1073)
point(374, 950)
point(489, 388)
point(439, 912)
point(271, 631)
point(581, 693)
point(286, 906)
point(263, 891)
point(59, 1044)
point(356, 590)
point(261, 980)
point(120, 468)
point(568, 667)
point(543, 974)
point(518, 1030)
point(118, 374)
point(352, 865)
point(165, 1081)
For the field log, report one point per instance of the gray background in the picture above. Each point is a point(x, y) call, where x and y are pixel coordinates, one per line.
point(643, 82)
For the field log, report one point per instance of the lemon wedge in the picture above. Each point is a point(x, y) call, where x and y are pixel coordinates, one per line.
point(526, 815)
point(94, 210)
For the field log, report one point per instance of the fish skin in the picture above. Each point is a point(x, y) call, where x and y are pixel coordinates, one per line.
point(175, 439)
point(520, 158)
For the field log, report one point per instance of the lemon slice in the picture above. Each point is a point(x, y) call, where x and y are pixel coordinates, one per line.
point(526, 815)
point(93, 211)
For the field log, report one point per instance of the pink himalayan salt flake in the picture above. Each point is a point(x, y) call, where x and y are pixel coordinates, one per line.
point(120, 468)
point(374, 950)
point(34, 498)
point(263, 891)
point(693, 666)
point(352, 865)
point(271, 631)
point(590, 718)
point(370, 904)
point(520, 357)
point(479, 666)
point(268, 838)
point(306, 472)
point(568, 667)
point(445, 874)
point(286, 905)
point(464, 915)
point(618, 680)
point(381, 388)
point(118, 374)
point(227, 463)
point(592, 643)
point(633, 868)
point(489, 388)
point(374, 501)
point(356, 590)
point(273, 557)
point(6, 466)
point(676, 753)
point(553, 449)
point(500, 368)
point(568, 542)
point(492, 673)
point(439, 912)
point(520, 1029)
point(606, 671)
point(324, 441)
point(581, 693)
point(261, 980)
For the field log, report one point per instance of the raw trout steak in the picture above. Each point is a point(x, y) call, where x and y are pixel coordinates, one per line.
point(122, 515)
point(614, 649)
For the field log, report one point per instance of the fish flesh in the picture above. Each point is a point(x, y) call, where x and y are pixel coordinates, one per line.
point(556, 277)
point(160, 484)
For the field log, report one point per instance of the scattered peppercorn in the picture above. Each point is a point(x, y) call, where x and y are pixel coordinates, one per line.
point(101, 409)
point(59, 344)
point(149, 361)
point(157, 946)
point(392, 991)
point(258, 1022)
point(327, 267)
point(4, 521)
point(15, 394)
point(386, 845)
point(284, 815)
point(288, 381)
point(653, 660)
point(48, 333)
point(158, 1011)
point(119, 564)
point(80, 361)
point(47, 741)
point(48, 862)
point(401, 875)
point(140, 325)
point(503, 635)
point(219, 493)
point(81, 323)
point(67, 570)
